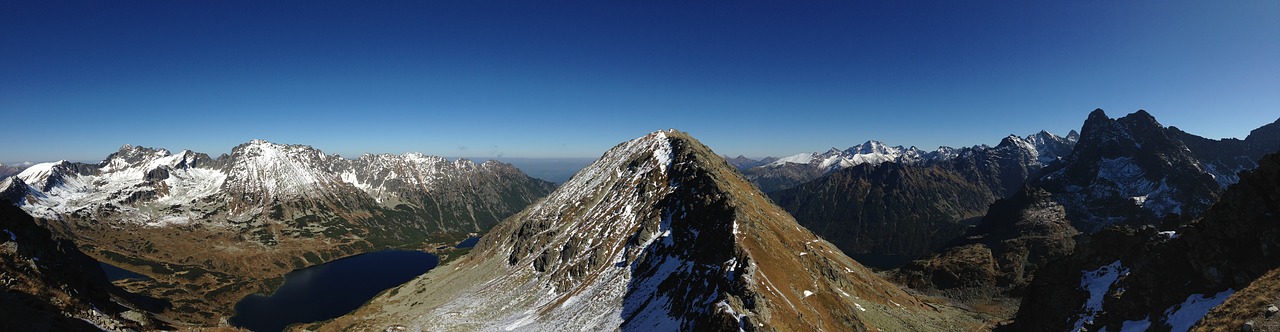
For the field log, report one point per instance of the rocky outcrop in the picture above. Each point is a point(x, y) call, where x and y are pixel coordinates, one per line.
point(1020, 234)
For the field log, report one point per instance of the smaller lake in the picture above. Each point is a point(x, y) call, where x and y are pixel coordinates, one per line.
point(115, 273)
point(331, 289)
point(468, 243)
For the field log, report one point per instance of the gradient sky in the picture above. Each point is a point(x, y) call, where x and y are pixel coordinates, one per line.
point(572, 79)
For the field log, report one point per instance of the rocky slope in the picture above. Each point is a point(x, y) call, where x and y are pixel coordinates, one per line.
point(1127, 277)
point(49, 285)
point(891, 208)
point(915, 203)
point(227, 225)
point(659, 234)
point(1131, 171)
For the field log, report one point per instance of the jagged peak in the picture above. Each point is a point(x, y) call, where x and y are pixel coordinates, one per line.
point(1098, 114)
point(1142, 119)
point(1011, 140)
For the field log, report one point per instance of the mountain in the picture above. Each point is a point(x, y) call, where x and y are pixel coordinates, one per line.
point(892, 202)
point(1130, 171)
point(743, 163)
point(1041, 148)
point(1135, 170)
point(49, 285)
point(230, 224)
point(887, 209)
point(9, 170)
point(1126, 276)
point(658, 234)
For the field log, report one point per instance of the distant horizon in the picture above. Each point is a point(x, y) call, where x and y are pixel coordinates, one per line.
point(570, 80)
point(993, 142)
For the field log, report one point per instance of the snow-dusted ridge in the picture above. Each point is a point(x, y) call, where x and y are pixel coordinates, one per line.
point(1045, 146)
point(154, 187)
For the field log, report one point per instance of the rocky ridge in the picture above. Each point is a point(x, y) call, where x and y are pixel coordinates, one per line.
point(658, 234)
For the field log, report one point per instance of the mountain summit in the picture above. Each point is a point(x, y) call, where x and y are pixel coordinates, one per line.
point(658, 234)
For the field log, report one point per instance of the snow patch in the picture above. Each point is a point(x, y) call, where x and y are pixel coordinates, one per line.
point(663, 152)
point(808, 293)
point(1097, 282)
point(526, 320)
point(1135, 325)
point(1182, 316)
point(12, 237)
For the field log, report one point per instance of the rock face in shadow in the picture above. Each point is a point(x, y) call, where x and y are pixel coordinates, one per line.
point(1128, 171)
point(1168, 279)
point(49, 285)
point(889, 208)
point(659, 234)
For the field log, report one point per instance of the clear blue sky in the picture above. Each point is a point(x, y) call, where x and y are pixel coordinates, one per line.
point(571, 79)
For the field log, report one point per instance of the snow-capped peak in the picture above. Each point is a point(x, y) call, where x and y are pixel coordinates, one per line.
point(45, 176)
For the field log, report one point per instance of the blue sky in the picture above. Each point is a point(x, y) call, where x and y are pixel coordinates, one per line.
point(572, 79)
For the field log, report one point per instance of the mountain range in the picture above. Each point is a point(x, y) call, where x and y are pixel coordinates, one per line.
point(1040, 148)
point(231, 223)
point(1125, 225)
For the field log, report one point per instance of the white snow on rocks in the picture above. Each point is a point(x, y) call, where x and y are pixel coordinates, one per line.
point(1182, 316)
point(1098, 283)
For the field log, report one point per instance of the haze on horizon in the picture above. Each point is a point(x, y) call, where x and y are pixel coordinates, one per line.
point(79, 79)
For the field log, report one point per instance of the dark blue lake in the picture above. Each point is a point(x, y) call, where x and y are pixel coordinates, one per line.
point(115, 273)
point(468, 243)
point(330, 290)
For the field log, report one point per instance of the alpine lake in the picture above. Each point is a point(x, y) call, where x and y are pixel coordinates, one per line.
point(332, 289)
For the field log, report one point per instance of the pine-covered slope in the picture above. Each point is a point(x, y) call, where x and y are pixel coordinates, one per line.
point(196, 223)
point(658, 234)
